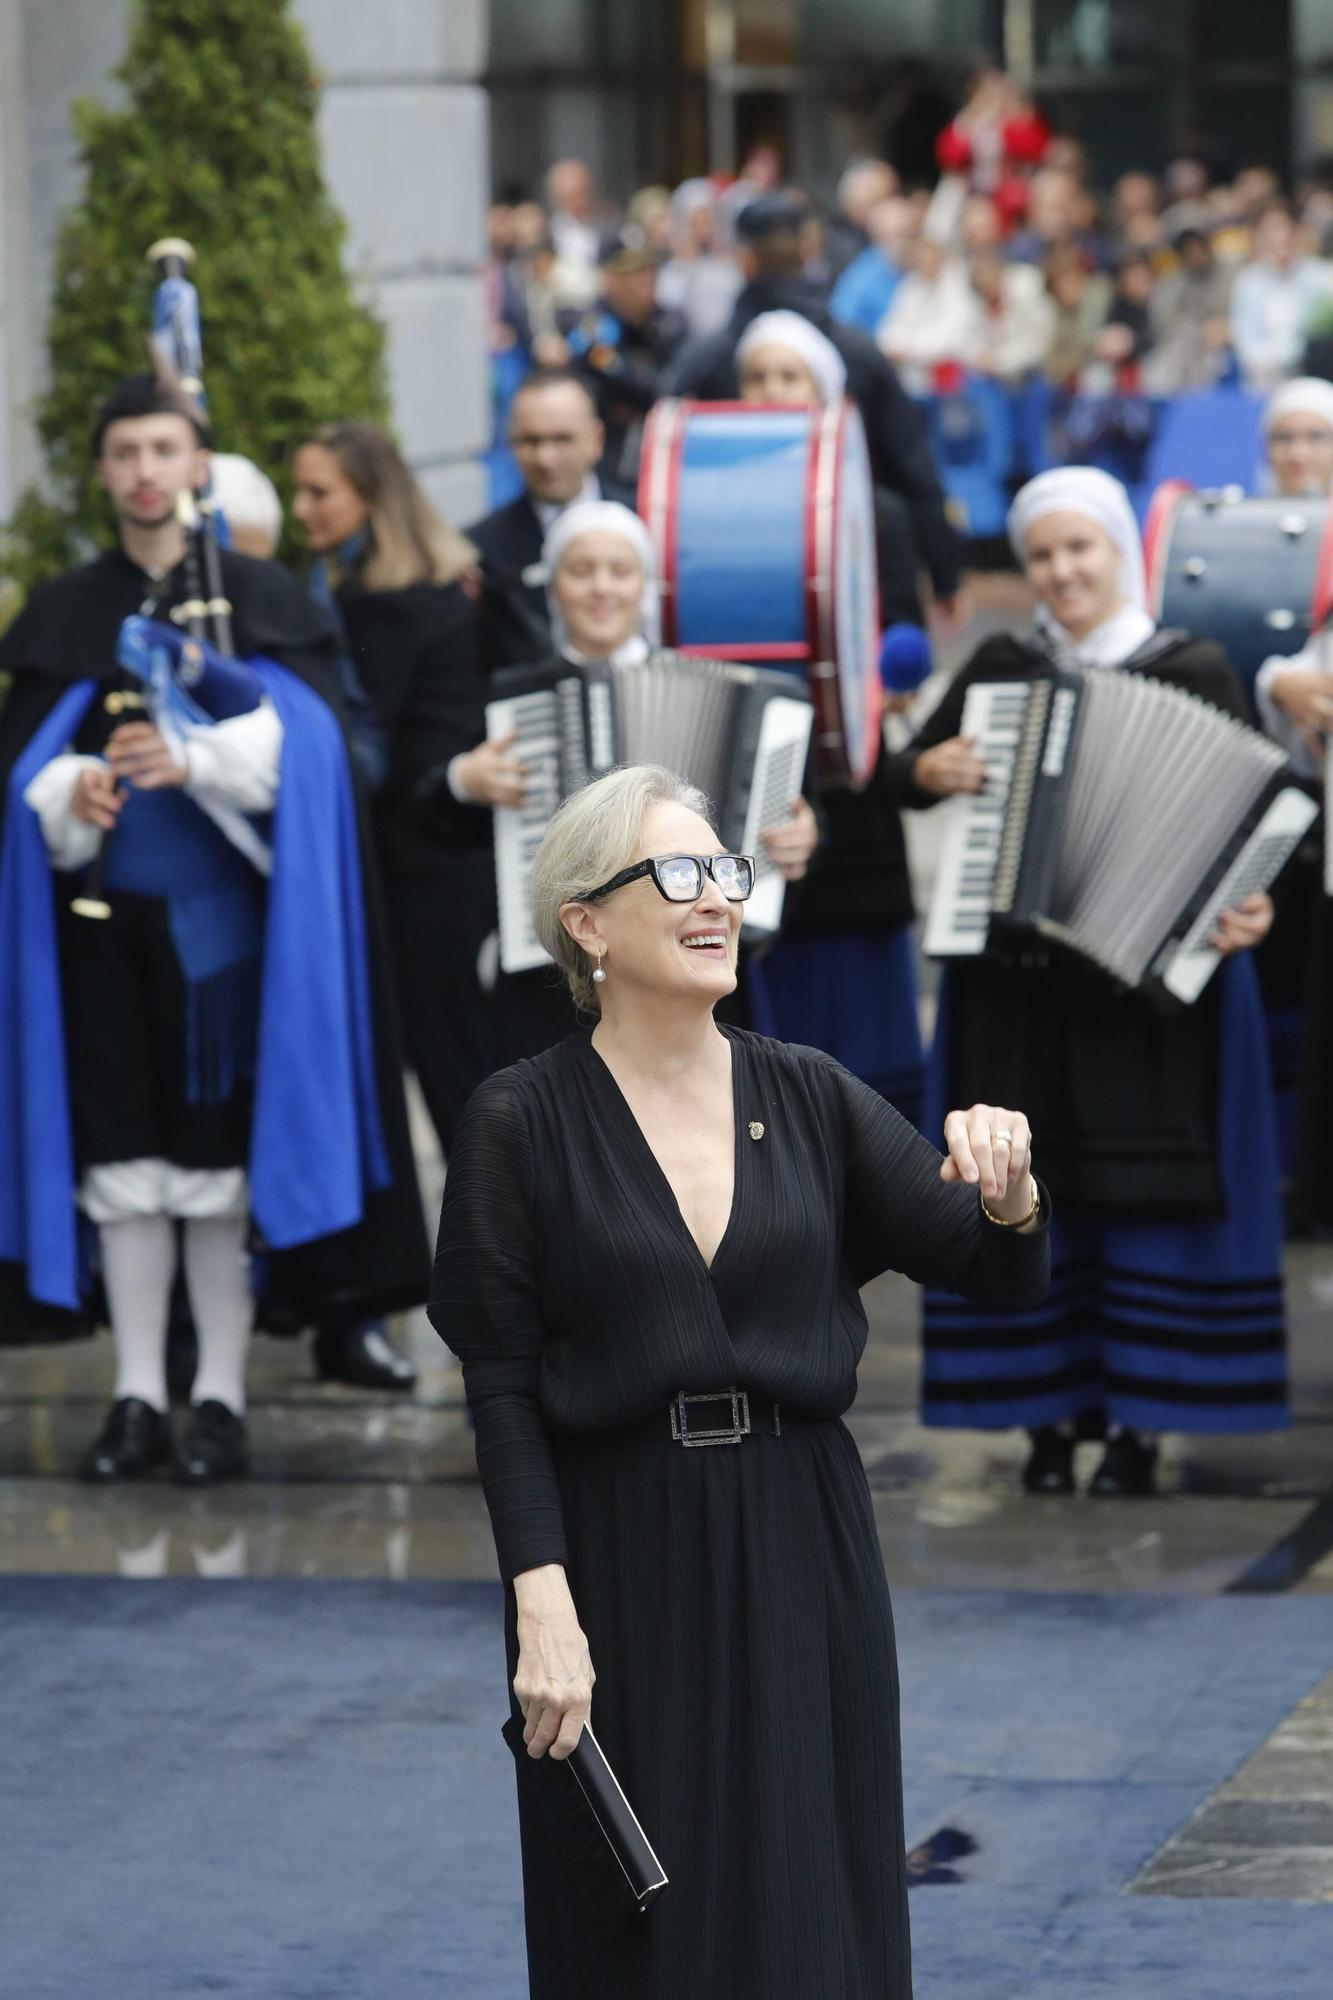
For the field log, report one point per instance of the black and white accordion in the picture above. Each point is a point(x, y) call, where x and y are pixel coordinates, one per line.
point(1120, 817)
point(741, 734)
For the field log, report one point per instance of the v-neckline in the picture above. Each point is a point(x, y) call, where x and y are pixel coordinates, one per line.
point(671, 1200)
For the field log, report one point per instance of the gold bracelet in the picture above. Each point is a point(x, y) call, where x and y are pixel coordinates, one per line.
point(1023, 1220)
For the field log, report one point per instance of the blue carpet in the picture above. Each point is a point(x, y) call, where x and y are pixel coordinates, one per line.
point(297, 1791)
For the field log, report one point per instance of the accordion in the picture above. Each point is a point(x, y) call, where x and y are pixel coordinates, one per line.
point(1120, 818)
point(741, 734)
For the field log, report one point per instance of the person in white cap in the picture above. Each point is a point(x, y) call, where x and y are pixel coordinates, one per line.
point(602, 592)
point(1298, 437)
point(1156, 1135)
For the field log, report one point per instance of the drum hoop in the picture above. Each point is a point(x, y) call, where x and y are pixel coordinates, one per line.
point(1157, 531)
point(752, 653)
point(821, 477)
point(1321, 595)
point(659, 485)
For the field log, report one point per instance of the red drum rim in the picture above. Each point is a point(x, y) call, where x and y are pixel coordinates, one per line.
point(1157, 537)
point(1321, 596)
point(659, 482)
point(822, 537)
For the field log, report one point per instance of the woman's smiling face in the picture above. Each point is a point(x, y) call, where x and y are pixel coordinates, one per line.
point(598, 586)
point(655, 949)
point(1074, 568)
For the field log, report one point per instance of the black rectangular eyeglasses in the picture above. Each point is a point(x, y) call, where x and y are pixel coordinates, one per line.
point(680, 877)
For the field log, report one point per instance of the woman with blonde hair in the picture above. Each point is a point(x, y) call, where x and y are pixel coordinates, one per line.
point(651, 1246)
point(391, 572)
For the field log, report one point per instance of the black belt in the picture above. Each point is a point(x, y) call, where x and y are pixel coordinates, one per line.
point(716, 1416)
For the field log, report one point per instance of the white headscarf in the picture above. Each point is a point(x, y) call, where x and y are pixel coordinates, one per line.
point(1081, 489)
point(606, 517)
point(815, 349)
point(1306, 393)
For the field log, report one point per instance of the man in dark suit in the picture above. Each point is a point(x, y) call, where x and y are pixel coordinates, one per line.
point(914, 528)
point(558, 439)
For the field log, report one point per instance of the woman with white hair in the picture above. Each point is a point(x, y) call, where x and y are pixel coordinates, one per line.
point(602, 592)
point(842, 977)
point(651, 1246)
point(1156, 1133)
point(1298, 437)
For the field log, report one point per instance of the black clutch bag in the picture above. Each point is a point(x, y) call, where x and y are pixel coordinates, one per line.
point(591, 1824)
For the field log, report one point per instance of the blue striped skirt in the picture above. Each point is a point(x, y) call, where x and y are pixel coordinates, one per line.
point(853, 995)
point(1172, 1326)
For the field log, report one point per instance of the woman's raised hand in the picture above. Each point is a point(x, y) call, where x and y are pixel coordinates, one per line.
point(490, 776)
point(991, 1149)
point(555, 1678)
point(950, 767)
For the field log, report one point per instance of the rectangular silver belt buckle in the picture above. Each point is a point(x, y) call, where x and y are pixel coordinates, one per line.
point(737, 1399)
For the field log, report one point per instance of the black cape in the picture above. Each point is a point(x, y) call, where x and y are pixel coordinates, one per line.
point(1121, 1097)
point(67, 631)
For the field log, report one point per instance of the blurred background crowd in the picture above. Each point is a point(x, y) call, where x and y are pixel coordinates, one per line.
point(1010, 289)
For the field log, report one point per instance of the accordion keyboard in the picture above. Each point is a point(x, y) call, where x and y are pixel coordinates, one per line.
point(548, 725)
point(960, 910)
point(1189, 965)
point(784, 742)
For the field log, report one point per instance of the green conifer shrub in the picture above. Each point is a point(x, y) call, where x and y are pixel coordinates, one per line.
point(217, 143)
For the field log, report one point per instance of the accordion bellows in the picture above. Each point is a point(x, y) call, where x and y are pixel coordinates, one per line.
point(1120, 818)
point(740, 734)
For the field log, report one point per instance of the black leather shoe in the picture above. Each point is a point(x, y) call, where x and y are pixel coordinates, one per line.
point(215, 1446)
point(362, 1357)
point(1050, 1466)
point(134, 1439)
point(1128, 1469)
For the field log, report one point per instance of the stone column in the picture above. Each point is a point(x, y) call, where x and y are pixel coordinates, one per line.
point(406, 157)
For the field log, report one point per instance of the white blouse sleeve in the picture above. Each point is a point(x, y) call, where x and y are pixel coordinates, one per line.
point(1278, 725)
point(71, 843)
point(235, 763)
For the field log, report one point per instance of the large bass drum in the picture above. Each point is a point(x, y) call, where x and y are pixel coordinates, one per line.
point(763, 522)
point(1256, 575)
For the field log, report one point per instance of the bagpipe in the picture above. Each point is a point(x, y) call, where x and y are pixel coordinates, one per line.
point(188, 669)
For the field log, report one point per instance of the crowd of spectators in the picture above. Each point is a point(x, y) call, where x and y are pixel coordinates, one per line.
point(1014, 266)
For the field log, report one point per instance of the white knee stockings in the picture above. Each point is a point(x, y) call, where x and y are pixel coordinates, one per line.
point(139, 1266)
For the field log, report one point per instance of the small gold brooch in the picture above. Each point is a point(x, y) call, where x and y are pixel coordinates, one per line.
point(756, 1129)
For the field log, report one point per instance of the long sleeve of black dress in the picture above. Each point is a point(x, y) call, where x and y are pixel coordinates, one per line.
point(577, 1300)
point(900, 1216)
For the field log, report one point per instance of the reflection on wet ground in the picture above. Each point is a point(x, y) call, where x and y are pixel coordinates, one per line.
point(351, 1485)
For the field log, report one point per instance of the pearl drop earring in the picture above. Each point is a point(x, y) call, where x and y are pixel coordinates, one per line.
point(598, 976)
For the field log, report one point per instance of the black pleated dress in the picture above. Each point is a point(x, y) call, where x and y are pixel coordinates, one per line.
point(733, 1597)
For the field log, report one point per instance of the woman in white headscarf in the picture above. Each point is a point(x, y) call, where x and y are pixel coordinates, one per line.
point(602, 593)
point(1155, 1134)
point(842, 977)
point(1298, 437)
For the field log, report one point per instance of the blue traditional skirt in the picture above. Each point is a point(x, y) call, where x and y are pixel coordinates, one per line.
point(853, 995)
point(1171, 1326)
